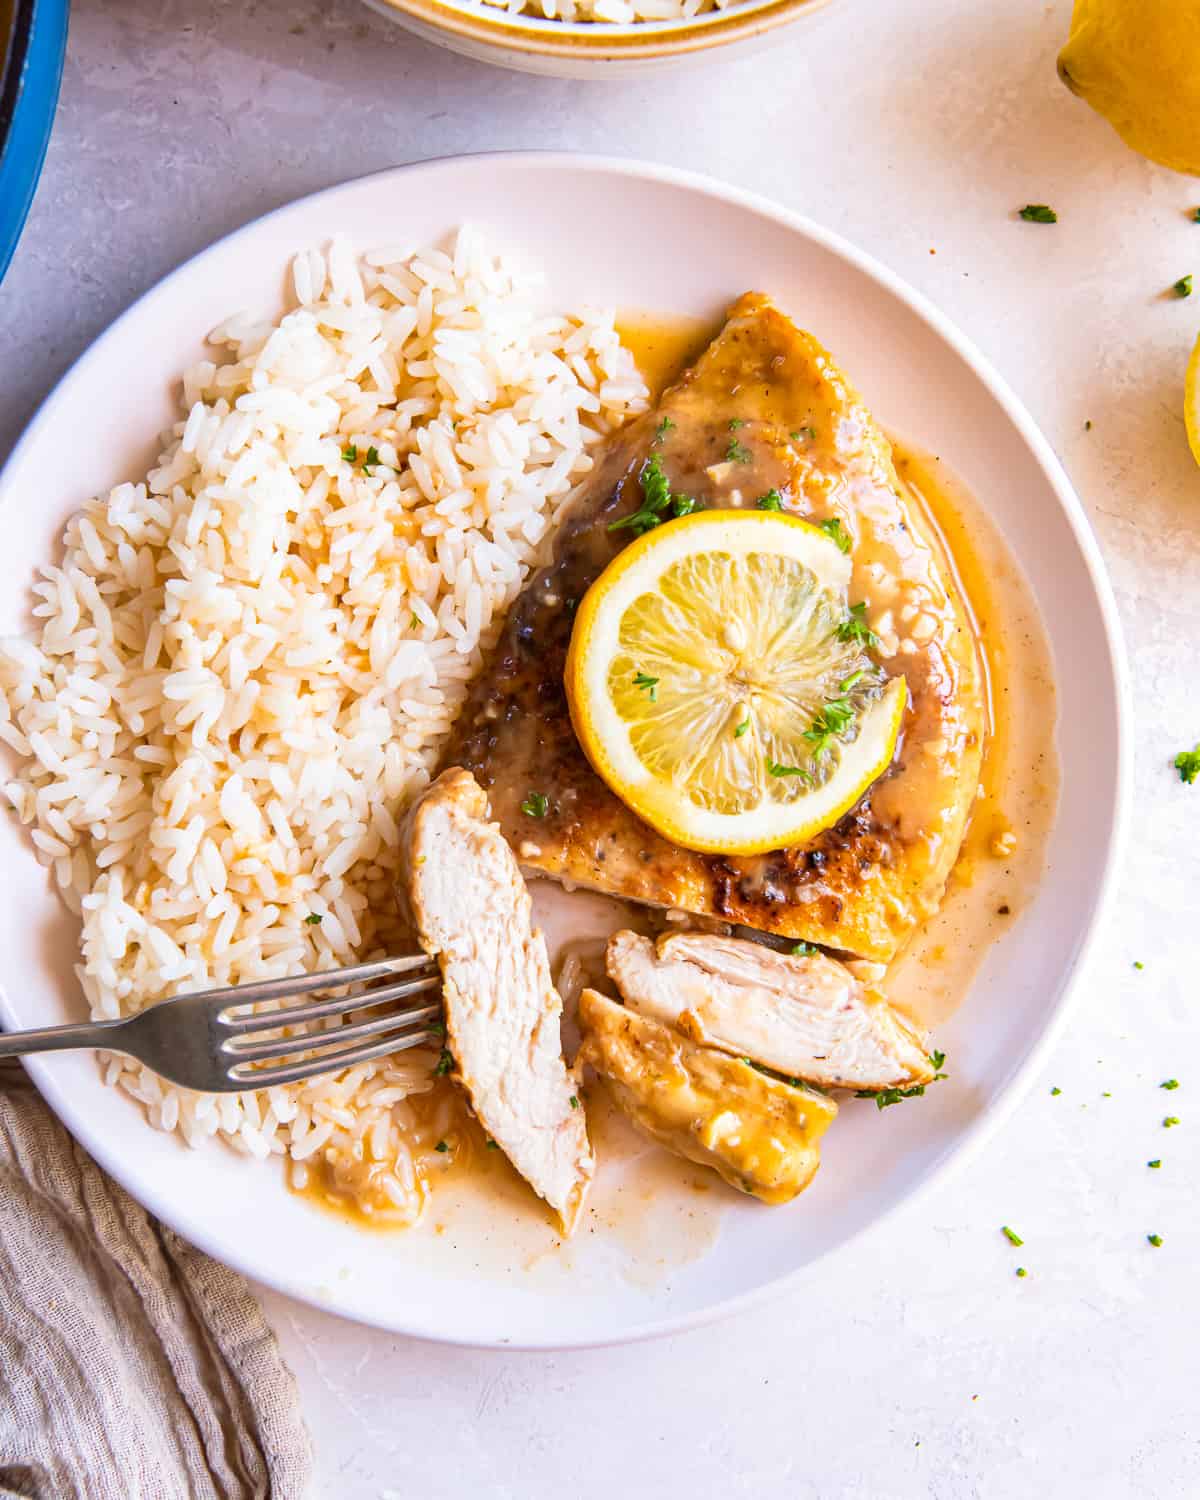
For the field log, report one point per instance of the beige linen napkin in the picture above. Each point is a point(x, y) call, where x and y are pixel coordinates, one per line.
point(132, 1367)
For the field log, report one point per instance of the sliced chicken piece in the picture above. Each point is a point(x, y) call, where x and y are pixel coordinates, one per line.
point(805, 1015)
point(503, 1015)
point(762, 1135)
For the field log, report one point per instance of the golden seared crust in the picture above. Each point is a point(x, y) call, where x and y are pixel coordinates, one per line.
point(798, 427)
point(762, 1135)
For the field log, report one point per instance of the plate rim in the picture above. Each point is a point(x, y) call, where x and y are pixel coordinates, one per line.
point(1013, 1088)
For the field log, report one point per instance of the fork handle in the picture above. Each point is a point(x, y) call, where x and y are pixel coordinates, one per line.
point(61, 1038)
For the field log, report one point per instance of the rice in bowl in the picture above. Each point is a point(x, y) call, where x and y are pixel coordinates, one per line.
point(244, 666)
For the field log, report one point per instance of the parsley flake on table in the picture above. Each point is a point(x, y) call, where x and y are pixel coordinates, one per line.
point(649, 685)
point(1169, 1121)
point(1169, 1083)
point(1138, 964)
point(772, 500)
point(1187, 763)
point(1183, 287)
point(1021, 1271)
point(536, 805)
point(1056, 1090)
point(1155, 1240)
point(1011, 1235)
point(1157, 1162)
point(1038, 213)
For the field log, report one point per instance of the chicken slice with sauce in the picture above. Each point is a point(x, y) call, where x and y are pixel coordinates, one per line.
point(503, 1015)
point(803, 1015)
point(762, 1135)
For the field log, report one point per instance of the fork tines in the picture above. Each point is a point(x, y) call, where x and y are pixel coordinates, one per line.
point(247, 1042)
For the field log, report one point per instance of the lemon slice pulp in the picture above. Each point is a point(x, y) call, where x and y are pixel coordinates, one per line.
point(721, 686)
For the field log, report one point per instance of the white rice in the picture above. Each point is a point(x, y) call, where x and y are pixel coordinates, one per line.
point(244, 666)
point(619, 12)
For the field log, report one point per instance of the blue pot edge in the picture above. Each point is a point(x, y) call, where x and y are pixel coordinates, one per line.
point(24, 151)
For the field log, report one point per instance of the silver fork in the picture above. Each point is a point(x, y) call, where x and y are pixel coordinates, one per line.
point(201, 1042)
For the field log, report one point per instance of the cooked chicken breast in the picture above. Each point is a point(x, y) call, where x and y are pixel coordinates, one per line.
point(803, 431)
point(804, 1015)
point(503, 1015)
point(760, 1134)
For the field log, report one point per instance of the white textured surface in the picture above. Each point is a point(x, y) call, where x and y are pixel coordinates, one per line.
point(916, 1364)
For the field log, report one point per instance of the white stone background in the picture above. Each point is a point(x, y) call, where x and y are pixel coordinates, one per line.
point(914, 1363)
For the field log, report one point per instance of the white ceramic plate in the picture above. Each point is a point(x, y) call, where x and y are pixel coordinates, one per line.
point(478, 1283)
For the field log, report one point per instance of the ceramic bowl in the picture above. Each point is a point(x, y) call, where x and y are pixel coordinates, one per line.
point(593, 49)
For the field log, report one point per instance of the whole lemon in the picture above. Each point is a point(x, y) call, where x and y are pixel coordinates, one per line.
point(1137, 62)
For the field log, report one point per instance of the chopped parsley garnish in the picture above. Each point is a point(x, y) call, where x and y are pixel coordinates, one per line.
point(574, 1102)
point(802, 950)
point(313, 919)
point(775, 769)
point(737, 453)
point(885, 1097)
point(1170, 1083)
point(444, 1063)
point(647, 684)
point(682, 505)
point(491, 1144)
point(855, 628)
point(772, 500)
point(656, 500)
point(806, 433)
point(848, 682)
point(1196, 216)
point(735, 423)
point(1183, 287)
point(833, 720)
point(1157, 1162)
point(372, 459)
point(350, 453)
point(1155, 1240)
point(1056, 1090)
point(442, 1146)
point(834, 530)
point(414, 620)
point(1187, 763)
point(1039, 213)
point(662, 429)
point(1169, 1121)
point(741, 729)
point(536, 805)
point(1011, 1235)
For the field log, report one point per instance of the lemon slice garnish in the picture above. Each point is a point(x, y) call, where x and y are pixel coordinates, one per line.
point(721, 686)
point(1191, 402)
